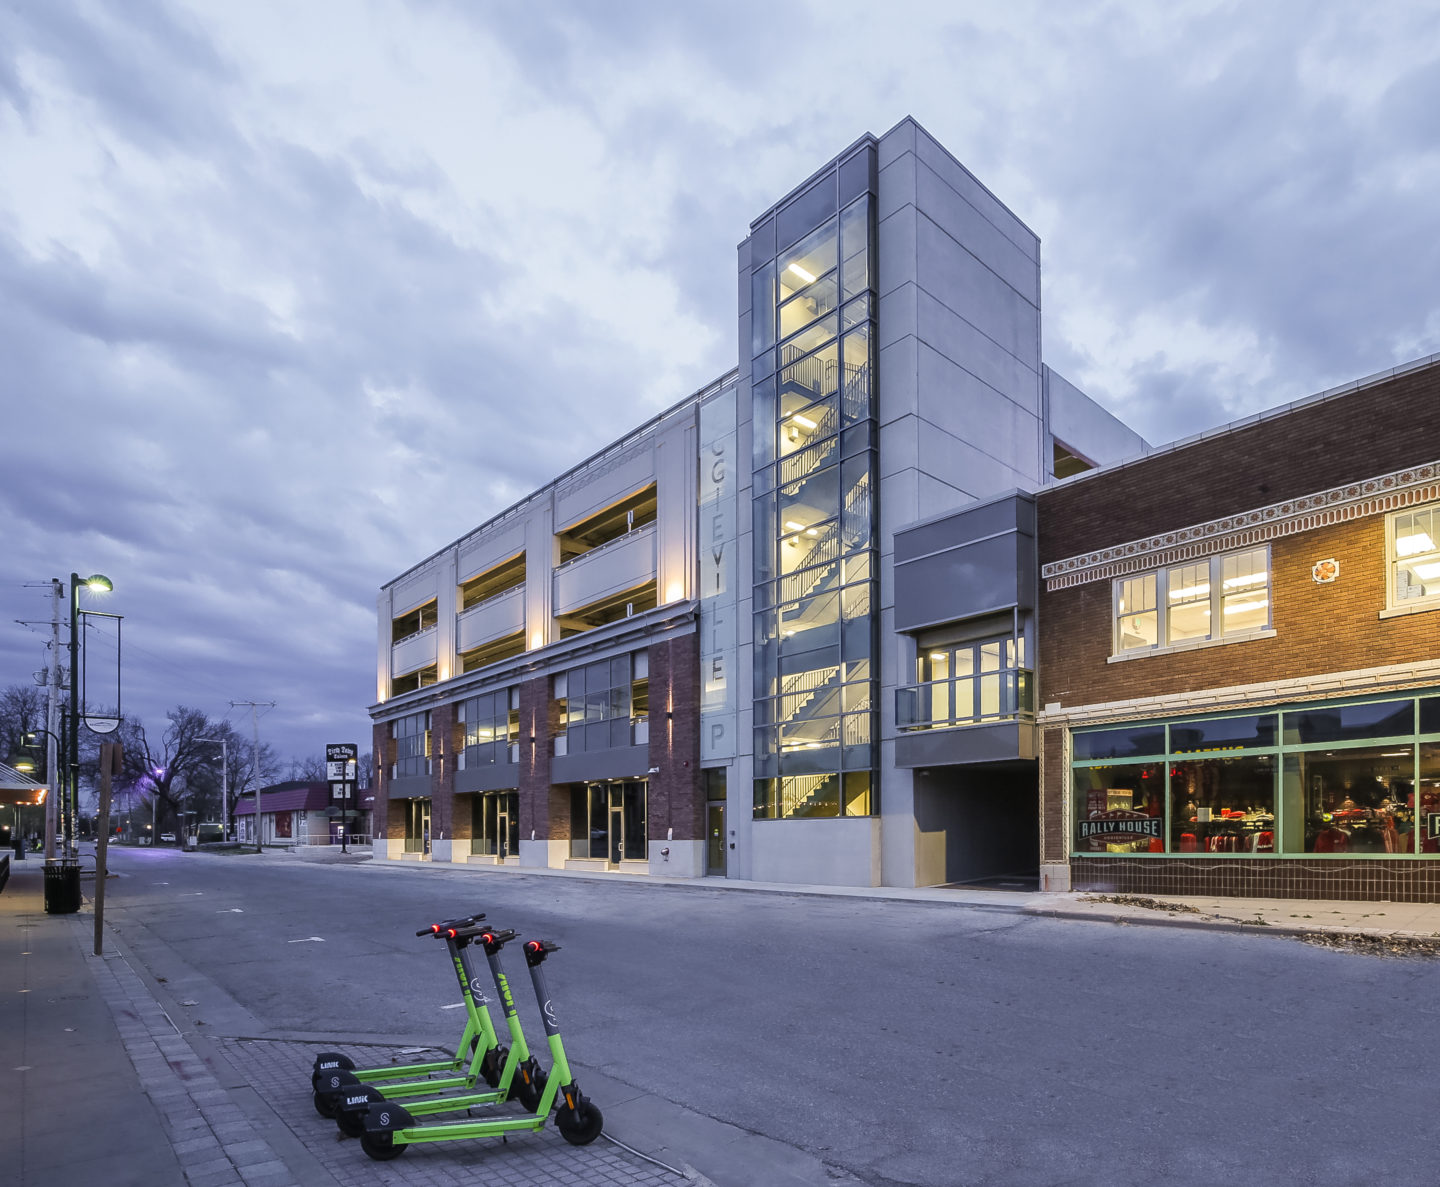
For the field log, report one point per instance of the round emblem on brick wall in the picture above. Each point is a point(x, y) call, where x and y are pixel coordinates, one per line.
point(1324, 572)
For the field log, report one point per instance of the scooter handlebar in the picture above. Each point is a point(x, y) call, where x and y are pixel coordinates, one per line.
point(436, 929)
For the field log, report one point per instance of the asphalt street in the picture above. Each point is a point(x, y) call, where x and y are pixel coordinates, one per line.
point(900, 1042)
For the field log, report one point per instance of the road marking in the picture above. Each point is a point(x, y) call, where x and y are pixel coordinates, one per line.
point(308, 940)
point(456, 1006)
point(231, 911)
point(159, 884)
point(190, 894)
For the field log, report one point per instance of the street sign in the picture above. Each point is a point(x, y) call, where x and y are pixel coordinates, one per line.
point(342, 767)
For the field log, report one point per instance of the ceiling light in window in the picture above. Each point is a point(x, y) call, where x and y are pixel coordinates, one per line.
point(1189, 591)
point(1427, 572)
point(1414, 544)
point(937, 655)
point(1236, 607)
point(802, 274)
point(1242, 582)
point(803, 421)
point(793, 526)
point(811, 532)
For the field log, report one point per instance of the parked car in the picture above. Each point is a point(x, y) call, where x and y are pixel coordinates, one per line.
point(168, 837)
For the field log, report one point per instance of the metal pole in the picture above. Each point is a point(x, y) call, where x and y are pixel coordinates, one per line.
point(71, 844)
point(255, 726)
point(52, 715)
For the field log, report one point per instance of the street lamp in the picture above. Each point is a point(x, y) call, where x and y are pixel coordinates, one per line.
point(52, 776)
point(224, 785)
point(98, 583)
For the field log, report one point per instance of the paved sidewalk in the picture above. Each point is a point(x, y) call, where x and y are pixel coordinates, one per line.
point(111, 1093)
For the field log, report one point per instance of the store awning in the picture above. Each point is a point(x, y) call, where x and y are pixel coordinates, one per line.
point(16, 788)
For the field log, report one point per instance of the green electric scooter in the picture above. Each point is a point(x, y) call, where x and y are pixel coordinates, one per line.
point(475, 1058)
point(389, 1128)
point(329, 1061)
point(521, 1077)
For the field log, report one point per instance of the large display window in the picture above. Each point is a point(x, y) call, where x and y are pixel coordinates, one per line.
point(1358, 778)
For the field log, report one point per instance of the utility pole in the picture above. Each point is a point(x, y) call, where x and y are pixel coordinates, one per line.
point(254, 706)
point(52, 718)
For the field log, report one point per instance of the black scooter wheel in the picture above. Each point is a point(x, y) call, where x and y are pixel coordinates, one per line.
point(529, 1094)
point(351, 1123)
point(582, 1126)
point(380, 1146)
point(324, 1104)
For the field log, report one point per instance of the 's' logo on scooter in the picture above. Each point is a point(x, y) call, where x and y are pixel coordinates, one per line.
point(549, 1012)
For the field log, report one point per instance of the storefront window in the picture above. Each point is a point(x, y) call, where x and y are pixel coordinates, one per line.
point(1223, 805)
point(1350, 723)
point(1354, 779)
point(1120, 809)
point(1358, 801)
point(1428, 822)
point(1132, 741)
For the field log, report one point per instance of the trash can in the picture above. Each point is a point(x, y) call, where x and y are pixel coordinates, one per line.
point(62, 886)
point(19, 849)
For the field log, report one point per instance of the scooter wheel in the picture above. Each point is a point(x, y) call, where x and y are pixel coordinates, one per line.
point(380, 1146)
point(581, 1127)
point(324, 1104)
point(351, 1124)
point(529, 1094)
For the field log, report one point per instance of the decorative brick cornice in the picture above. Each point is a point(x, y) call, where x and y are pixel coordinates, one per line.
point(1372, 496)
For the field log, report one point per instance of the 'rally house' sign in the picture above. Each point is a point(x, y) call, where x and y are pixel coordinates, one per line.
point(1120, 826)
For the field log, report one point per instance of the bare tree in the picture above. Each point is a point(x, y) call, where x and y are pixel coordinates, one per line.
point(311, 770)
point(22, 710)
point(179, 771)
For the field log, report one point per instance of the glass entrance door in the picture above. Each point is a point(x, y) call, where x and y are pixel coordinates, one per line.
point(617, 824)
point(607, 821)
point(715, 838)
point(495, 824)
point(506, 826)
point(417, 826)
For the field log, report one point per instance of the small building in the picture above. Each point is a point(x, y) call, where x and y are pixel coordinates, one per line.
point(1239, 676)
point(296, 812)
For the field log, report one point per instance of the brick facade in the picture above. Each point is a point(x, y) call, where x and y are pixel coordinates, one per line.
point(676, 796)
point(1324, 444)
point(1319, 629)
point(442, 771)
point(1324, 634)
point(544, 809)
point(382, 746)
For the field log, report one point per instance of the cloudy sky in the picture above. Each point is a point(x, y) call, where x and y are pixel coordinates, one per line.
point(292, 295)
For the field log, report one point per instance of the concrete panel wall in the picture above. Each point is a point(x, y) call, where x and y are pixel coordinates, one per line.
point(1085, 428)
point(489, 550)
point(608, 481)
point(418, 651)
point(621, 564)
point(491, 620)
point(835, 852)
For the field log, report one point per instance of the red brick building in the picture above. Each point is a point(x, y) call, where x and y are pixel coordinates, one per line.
point(1239, 656)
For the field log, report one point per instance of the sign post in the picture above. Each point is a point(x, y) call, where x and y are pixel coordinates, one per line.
point(342, 764)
